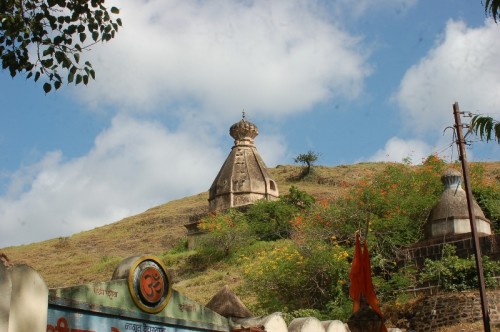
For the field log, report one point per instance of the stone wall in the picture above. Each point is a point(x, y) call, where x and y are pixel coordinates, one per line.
point(448, 309)
point(432, 249)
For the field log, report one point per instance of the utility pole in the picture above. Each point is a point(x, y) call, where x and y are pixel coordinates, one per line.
point(472, 218)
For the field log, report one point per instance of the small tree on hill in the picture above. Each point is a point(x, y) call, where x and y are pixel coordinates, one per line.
point(307, 159)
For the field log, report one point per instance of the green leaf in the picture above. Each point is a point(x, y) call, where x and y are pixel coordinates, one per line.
point(48, 51)
point(47, 87)
point(115, 10)
point(59, 56)
point(71, 76)
point(95, 35)
point(83, 36)
point(79, 79)
point(85, 79)
point(77, 57)
point(58, 40)
point(48, 63)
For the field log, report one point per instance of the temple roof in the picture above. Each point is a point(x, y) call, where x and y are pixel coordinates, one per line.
point(227, 304)
point(453, 201)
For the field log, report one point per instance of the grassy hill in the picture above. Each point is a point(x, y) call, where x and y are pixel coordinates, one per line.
point(92, 255)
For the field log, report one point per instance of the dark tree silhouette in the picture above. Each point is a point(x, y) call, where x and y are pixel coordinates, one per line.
point(43, 38)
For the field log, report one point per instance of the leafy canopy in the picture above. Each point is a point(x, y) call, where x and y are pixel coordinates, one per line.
point(46, 37)
point(308, 158)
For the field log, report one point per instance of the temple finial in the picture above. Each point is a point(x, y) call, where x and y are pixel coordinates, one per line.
point(244, 115)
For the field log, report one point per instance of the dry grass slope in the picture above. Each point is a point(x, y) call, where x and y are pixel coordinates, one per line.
point(92, 255)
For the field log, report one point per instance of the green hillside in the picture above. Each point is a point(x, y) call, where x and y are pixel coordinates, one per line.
point(92, 255)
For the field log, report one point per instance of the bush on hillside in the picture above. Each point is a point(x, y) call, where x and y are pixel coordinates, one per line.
point(226, 234)
point(270, 220)
point(487, 194)
point(285, 275)
point(453, 273)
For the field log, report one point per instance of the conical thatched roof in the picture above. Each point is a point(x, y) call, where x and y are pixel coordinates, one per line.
point(227, 304)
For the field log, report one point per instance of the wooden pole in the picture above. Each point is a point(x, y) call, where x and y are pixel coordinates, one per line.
point(472, 218)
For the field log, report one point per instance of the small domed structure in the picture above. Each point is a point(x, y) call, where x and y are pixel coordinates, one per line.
point(451, 215)
point(243, 178)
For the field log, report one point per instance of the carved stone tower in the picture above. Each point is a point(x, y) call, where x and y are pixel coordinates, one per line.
point(243, 178)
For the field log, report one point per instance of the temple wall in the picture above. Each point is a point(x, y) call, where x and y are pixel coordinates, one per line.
point(448, 309)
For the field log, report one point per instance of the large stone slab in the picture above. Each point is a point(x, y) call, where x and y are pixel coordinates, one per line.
point(5, 295)
point(29, 299)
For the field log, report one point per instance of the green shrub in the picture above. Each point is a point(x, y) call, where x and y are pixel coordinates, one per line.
point(453, 273)
point(298, 198)
point(226, 234)
point(270, 220)
point(285, 274)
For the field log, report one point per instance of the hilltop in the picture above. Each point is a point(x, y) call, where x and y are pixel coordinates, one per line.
point(92, 255)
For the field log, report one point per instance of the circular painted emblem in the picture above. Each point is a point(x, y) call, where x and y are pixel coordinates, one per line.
point(149, 284)
point(152, 284)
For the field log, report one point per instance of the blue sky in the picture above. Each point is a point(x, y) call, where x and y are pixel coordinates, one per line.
point(356, 81)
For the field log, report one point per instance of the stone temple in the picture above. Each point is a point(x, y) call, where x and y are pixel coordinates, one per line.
point(243, 178)
point(450, 216)
point(448, 223)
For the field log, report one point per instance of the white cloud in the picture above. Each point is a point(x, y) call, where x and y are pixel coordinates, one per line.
point(267, 57)
point(462, 67)
point(134, 165)
point(272, 149)
point(397, 150)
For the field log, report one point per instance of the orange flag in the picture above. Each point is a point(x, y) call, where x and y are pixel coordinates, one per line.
point(361, 280)
point(355, 275)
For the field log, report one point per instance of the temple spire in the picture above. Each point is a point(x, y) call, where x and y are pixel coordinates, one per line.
point(243, 178)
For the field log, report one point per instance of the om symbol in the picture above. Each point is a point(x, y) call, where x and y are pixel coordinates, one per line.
point(151, 284)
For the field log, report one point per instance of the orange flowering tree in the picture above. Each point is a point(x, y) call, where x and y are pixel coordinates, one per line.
point(391, 208)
